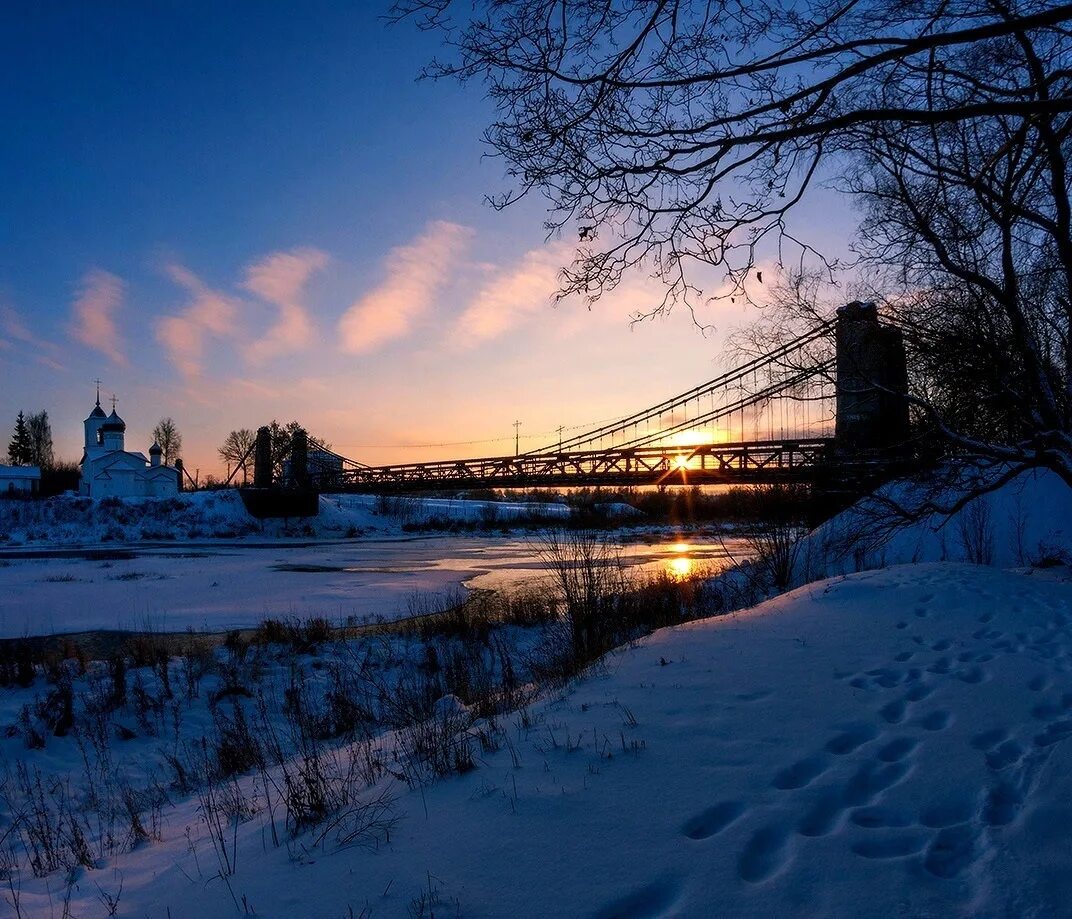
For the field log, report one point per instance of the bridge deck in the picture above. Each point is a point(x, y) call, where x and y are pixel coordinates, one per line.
point(761, 462)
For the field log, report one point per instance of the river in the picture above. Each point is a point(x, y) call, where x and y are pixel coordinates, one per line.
point(215, 586)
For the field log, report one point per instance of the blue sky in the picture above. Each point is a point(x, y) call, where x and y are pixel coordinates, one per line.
point(231, 212)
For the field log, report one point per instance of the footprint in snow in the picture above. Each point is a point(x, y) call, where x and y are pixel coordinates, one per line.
point(649, 902)
point(714, 820)
point(871, 780)
point(880, 818)
point(897, 749)
point(936, 721)
point(897, 845)
point(948, 813)
point(852, 739)
point(801, 773)
point(1004, 755)
point(953, 851)
point(766, 853)
point(825, 814)
point(987, 740)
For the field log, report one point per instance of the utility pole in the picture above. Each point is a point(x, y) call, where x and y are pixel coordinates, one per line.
point(517, 438)
point(561, 428)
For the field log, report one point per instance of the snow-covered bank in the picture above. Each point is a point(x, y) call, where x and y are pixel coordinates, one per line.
point(1027, 521)
point(892, 743)
point(76, 521)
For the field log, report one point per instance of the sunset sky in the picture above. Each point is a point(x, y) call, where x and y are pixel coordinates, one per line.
point(230, 214)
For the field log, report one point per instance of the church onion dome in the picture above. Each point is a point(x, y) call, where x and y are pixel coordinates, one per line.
point(114, 423)
point(155, 449)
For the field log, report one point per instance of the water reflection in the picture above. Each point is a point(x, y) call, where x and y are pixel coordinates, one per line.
point(680, 567)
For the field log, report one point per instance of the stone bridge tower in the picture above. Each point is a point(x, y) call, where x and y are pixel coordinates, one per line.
point(872, 415)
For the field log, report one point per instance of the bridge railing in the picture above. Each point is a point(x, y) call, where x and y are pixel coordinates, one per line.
point(766, 461)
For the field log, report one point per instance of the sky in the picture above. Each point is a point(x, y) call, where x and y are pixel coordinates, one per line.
point(234, 212)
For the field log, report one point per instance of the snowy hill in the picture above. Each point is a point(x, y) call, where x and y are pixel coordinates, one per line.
point(892, 743)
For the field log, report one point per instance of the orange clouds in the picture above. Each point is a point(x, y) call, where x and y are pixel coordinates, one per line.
point(280, 279)
point(513, 295)
point(99, 298)
point(208, 312)
point(415, 273)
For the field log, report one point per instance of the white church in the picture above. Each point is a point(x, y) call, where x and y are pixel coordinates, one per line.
point(109, 470)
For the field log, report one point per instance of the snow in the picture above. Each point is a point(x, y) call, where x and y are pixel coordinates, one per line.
point(887, 743)
point(894, 741)
point(71, 520)
point(1027, 521)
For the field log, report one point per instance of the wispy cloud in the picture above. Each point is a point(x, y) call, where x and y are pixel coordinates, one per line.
point(93, 322)
point(512, 295)
point(209, 312)
point(17, 336)
point(415, 272)
point(280, 279)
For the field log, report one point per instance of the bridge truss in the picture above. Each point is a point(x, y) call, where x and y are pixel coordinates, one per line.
point(768, 420)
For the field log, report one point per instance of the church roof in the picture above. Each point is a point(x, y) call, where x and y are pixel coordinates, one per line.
point(114, 423)
point(97, 412)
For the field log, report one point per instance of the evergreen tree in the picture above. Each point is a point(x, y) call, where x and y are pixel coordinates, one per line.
point(18, 451)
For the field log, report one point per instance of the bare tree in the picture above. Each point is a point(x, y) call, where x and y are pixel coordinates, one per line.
point(39, 437)
point(236, 451)
point(675, 133)
point(167, 436)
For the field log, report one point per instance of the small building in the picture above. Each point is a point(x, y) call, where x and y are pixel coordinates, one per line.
point(110, 470)
point(20, 480)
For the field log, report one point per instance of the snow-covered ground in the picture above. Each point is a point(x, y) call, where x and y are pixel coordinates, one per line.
point(879, 743)
point(75, 521)
point(890, 743)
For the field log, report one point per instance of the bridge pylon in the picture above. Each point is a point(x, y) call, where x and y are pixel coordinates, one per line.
point(872, 380)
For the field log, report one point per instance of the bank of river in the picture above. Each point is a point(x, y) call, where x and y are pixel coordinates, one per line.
point(218, 586)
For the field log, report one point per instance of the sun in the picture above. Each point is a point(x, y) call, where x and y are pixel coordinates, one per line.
point(681, 461)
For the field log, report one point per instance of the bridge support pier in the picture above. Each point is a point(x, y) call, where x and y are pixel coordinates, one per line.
point(872, 378)
point(262, 459)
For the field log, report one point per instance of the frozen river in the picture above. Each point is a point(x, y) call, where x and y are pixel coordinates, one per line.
point(220, 586)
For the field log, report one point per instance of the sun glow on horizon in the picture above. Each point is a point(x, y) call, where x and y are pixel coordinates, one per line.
point(690, 438)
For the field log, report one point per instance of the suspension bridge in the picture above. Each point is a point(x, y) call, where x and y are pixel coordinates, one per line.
point(826, 404)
